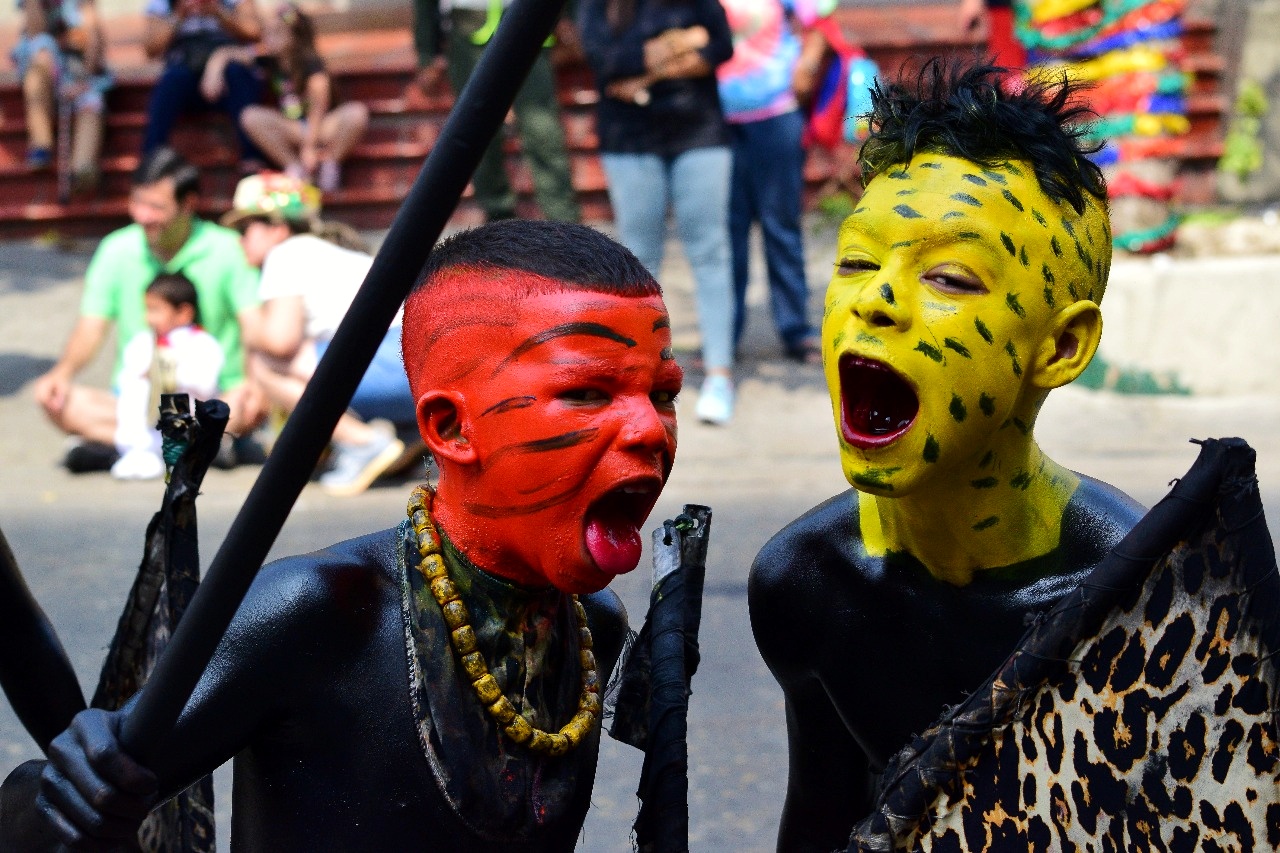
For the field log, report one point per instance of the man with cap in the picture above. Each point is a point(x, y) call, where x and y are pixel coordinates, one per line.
point(311, 271)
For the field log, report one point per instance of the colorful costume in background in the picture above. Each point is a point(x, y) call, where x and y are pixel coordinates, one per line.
point(1132, 51)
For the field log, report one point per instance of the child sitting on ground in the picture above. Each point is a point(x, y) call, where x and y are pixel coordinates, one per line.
point(173, 356)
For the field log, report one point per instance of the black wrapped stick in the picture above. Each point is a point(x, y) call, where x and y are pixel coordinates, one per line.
point(476, 117)
point(675, 614)
point(34, 670)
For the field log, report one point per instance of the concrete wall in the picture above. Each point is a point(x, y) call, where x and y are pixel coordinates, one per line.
point(1205, 324)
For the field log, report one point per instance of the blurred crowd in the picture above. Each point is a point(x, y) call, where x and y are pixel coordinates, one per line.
point(705, 114)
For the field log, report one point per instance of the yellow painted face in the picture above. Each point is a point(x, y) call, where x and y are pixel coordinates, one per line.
point(947, 279)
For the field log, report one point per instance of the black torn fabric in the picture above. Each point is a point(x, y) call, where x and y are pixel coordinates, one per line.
point(1142, 712)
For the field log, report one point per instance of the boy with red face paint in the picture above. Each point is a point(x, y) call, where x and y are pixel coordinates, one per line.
point(966, 288)
point(435, 686)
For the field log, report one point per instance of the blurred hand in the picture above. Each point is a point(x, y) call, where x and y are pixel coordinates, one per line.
point(51, 391)
point(92, 794)
point(213, 79)
point(633, 90)
point(804, 80)
point(310, 157)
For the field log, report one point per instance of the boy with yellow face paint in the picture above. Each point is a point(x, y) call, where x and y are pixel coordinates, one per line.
point(966, 287)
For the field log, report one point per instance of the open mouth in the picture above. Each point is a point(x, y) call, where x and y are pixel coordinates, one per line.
point(613, 524)
point(877, 405)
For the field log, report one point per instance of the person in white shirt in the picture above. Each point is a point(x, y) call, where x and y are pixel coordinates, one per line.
point(310, 273)
point(173, 356)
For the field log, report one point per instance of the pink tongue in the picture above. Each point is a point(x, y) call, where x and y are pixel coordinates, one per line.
point(614, 544)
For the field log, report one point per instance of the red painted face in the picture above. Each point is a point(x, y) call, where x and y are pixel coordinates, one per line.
point(565, 431)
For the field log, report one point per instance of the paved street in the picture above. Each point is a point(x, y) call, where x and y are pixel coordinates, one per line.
point(78, 538)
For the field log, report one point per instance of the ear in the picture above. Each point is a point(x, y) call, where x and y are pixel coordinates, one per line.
point(1069, 344)
point(442, 424)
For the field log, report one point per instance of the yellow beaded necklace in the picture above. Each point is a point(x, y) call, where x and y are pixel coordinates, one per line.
point(463, 639)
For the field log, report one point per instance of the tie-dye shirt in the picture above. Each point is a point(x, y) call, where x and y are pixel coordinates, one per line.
point(755, 83)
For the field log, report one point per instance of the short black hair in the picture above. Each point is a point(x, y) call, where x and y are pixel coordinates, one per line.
point(962, 109)
point(164, 162)
point(567, 252)
point(176, 289)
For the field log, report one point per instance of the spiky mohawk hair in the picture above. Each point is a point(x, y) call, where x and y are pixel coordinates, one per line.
point(962, 110)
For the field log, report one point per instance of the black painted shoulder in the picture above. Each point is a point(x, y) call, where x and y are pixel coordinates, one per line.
point(335, 587)
point(1098, 516)
point(821, 541)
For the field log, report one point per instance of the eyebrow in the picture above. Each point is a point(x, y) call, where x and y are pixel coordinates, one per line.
point(595, 330)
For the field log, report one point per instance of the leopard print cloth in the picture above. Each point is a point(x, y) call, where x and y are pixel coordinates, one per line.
point(1140, 714)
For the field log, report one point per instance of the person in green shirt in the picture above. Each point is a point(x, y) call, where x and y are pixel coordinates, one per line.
point(165, 236)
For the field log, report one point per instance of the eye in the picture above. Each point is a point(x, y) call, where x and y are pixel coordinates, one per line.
point(955, 280)
point(584, 396)
point(664, 399)
point(853, 266)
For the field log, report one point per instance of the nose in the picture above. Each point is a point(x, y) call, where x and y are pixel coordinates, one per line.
point(644, 428)
point(881, 305)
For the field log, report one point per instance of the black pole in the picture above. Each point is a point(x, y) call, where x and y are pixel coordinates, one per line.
point(34, 670)
point(476, 117)
point(675, 615)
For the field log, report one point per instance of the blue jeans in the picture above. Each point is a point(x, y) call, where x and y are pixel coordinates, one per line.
point(178, 91)
point(695, 185)
point(768, 186)
point(383, 392)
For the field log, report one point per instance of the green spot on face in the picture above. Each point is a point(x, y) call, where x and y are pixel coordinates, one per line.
point(994, 176)
point(1021, 480)
point(1008, 244)
point(902, 244)
point(907, 192)
point(983, 330)
point(930, 351)
point(930, 165)
point(1048, 296)
point(1084, 256)
point(987, 404)
point(1067, 226)
point(1011, 299)
point(906, 211)
point(965, 198)
point(875, 478)
point(1038, 217)
point(899, 175)
point(952, 214)
point(1013, 354)
point(1055, 245)
point(1012, 199)
point(867, 338)
point(955, 346)
point(886, 292)
point(989, 521)
point(1047, 274)
point(974, 179)
point(986, 459)
point(984, 483)
point(931, 449)
point(859, 210)
point(1022, 256)
point(969, 235)
point(837, 340)
point(958, 411)
point(1021, 425)
point(1012, 169)
point(1071, 288)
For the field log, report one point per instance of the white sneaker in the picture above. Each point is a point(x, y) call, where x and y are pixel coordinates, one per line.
point(356, 466)
point(715, 400)
point(138, 465)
